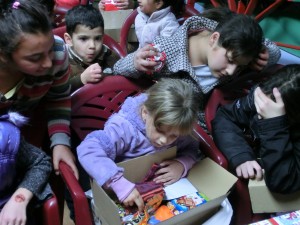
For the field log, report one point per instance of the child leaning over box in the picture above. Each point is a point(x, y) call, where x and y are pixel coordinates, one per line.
point(153, 121)
point(272, 112)
point(211, 48)
point(89, 57)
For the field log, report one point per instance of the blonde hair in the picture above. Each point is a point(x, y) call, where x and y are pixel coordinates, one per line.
point(174, 103)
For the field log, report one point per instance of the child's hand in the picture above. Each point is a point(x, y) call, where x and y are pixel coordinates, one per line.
point(249, 169)
point(170, 172)
point(14, 211)
point(64, 153)
point(92, 74)
point(134, 198)
point(121, 4)
point(140, 59)
point(266, 107)
point(259, 63)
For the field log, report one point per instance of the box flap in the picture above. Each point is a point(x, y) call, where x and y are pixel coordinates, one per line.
point(264, 201)
point(135, 169)
point(208, 176)
point(105, 208)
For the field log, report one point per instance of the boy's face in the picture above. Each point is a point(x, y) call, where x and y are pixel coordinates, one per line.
point(85, 42)
point(221, 62)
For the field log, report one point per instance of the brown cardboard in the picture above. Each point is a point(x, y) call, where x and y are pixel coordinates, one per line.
point(208, 177)
point(113, 21)
point(264, 201)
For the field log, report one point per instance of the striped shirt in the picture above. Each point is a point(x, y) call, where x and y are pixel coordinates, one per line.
point(53, 89)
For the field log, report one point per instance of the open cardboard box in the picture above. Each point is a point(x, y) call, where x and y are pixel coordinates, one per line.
point(113, 21)
point(265, 201)
point(208, 177)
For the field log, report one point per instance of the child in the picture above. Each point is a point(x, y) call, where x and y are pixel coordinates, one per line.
point(151, 122)
point(272, 112)
point(210, 47)
point(157, 18)
point(84, 39)
point(34, 68)
point(24, 171)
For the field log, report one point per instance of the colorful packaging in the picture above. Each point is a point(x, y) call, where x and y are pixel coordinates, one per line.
point(161, 58)
point(292, 218)
point(110, 5)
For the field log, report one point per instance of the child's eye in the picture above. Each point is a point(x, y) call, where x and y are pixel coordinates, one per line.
point(34, 58)
point(98, 38)
point(83, 38)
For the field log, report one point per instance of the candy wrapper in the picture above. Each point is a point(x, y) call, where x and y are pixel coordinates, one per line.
point(161, 58)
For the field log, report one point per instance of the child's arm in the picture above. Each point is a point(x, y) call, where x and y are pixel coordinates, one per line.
point(136, 63)
point(36, 166)
point(280, 144)
point(228, 130)
point(58, 108)
point(14, 211)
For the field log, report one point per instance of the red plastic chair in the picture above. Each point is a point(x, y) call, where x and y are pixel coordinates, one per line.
point(129, 21)
point(107, 40)
point(91, 106)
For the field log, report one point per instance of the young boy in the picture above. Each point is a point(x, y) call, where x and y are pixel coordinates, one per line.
point(89, 57)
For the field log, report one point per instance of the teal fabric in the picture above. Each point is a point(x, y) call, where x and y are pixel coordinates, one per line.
point(284, 26)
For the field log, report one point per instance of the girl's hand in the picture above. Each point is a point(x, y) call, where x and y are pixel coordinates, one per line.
point(14, 211)
point(140, 59)
point(92, 74)
point(259, 63)
point(266, 107)
point(64, 153)
point(249, 169)
point(170, 172)
point(134, 198)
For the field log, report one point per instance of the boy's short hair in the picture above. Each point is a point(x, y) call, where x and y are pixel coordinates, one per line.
point(239, 33)
point(173, 102)
point(85, 15)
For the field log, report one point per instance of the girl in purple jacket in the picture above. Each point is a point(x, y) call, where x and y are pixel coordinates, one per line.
point(153, 121)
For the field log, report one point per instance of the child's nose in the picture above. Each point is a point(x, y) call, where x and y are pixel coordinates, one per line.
point(163, 140)
point(47, 63)
point(92, 44)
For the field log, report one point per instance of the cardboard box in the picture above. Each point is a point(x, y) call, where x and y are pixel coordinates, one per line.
point(264, 201)
point(113, 21)
point(291, 218)
point(208, 177)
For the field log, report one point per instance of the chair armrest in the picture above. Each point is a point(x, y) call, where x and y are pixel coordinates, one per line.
point(208, 147)
point(83, 214)
point(51, 212)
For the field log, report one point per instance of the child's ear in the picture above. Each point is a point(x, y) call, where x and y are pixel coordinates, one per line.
point(68, 39)
point(214, 38)
point(144, 113)
point(3, 58)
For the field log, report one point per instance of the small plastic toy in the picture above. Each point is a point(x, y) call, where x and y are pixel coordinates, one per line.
point(161, 57)
point(110, 6)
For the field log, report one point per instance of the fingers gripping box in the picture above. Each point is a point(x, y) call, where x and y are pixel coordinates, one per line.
point(208, 178)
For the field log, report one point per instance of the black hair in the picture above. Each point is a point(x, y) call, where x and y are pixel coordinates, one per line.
point(239, 33)
point(85, 15)
point(287, 80)
point(23, 16)
point(177, 6)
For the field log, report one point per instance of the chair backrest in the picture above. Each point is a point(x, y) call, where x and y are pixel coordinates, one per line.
point(129, 21)
point(93, 104)
point(107, 40)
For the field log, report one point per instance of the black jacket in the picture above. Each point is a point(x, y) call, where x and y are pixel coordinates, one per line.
point(279, 143)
